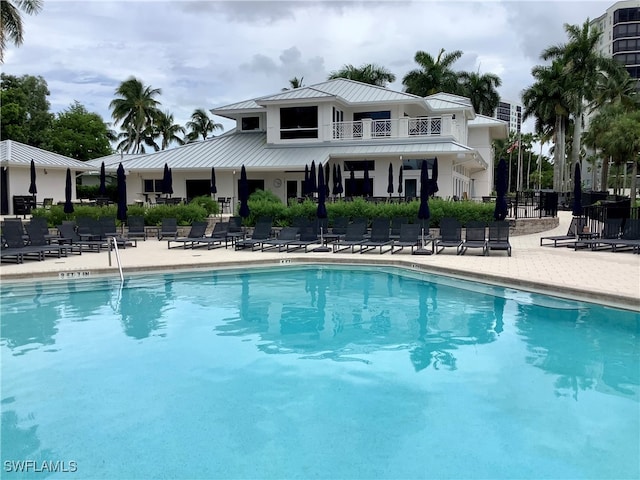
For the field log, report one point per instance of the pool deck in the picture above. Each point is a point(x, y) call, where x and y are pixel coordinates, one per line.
point(602, 277)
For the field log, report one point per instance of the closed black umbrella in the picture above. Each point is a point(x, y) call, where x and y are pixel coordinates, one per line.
point(122, 194)
point(352, 183)
point(400, 181)
point(424, 214)
point(32, 186)
point(313, 183)
point(68, 206)
point(366, 188)
point(500, 212)
point(434, 177)
point(577, 191)
point(167, 181)
point(214, 188)
point(243, 193)
point(335, 180)
point(322, 208)
point(326, 180)
point(339, 181)
point(305, 182)
point(390, 186)
point(321, 212)
point(102, 189)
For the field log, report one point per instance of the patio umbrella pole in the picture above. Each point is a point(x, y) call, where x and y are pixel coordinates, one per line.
point(322, 247)
point(422, 250)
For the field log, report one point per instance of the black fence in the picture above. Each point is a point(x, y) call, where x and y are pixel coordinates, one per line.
point(537, 204)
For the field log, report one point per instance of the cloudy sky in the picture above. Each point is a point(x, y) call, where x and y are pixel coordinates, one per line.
point(207, 54)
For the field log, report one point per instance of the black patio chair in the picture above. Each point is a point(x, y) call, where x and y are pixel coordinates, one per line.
point(286, 235)
point(196, 233)
point(308, 237)
point(475, 236)
point(136, 227)
point(218, 237)
point(498, 237)
point(352, 238)
point(409, 238)
point(450, 235)
point(379, 237)
point(261, 232)
point(168, 228)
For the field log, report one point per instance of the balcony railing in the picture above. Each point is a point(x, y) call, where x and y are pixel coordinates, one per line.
point(399, 128)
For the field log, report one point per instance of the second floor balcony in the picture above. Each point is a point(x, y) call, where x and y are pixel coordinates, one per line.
point(406, 127)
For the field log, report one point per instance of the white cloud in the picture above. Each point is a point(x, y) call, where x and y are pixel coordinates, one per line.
point(207, 54)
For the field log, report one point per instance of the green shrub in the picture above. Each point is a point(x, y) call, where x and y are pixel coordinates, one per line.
point(206, 202)
point(264, 196)
point(184, 214)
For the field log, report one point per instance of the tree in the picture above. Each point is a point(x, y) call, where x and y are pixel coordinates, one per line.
point(78, 134)
point(581, 63)
point(434, 75)
point(24, 109)
point(201, 125)
point(136, 109)
point(368, 73)
point(481, 90)
point(168, 131)
point(11, 29)
point(294, 83)
point(621, 141)
point(545, 100)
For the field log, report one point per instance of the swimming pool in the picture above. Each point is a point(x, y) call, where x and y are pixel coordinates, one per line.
point(315, 372)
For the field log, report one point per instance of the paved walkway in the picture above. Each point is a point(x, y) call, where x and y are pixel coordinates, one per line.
point(602, 276)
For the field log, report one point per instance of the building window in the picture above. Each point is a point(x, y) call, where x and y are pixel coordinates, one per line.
point(250, 123)
point(152, 186)
point(298, 122)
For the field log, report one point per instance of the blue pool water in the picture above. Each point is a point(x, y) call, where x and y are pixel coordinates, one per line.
point(314, 373)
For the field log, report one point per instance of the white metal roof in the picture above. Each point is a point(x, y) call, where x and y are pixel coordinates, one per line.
point(16, 154)
point(251, 150)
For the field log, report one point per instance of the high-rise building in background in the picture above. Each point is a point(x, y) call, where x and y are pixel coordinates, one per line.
point(621, 35)
point(511, 113)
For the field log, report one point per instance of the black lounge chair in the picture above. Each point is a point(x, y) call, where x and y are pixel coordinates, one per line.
point(630, 238)
point(14, 244)
point(352, 238)
point(168, 228)
point(261, 232)
point(38, 239)
point(308, 236)
point(235, 231)
point(217, 239)
point(286, 235)
point(575, 227)
point(611, 231)
point(475, 237)
point(41, 223)
point(196, 233)
point(136, 227)
point(379, 237)
point(337, 231)
point(450, 235)
point(69, 236)
point(409, 238)
point(396, 225)
point(498, 237)
point(109, 231)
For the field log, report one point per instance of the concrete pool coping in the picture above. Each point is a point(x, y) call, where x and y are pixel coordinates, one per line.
point(603, 277)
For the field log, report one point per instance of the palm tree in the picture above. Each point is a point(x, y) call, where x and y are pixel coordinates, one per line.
point(368, 73)
point(201, 125)
point(168, 130)
point(11, 29)
point(294, 83)
point(616, 87)
point(581, 63)
point(545, 100)
point(481, 90)
point(622, 142)
point(136, 109)
point(434, 75)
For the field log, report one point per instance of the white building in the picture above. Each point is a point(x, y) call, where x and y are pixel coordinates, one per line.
point(355, 126)
point(342, 122)
point(620, 25)
point(510, 112)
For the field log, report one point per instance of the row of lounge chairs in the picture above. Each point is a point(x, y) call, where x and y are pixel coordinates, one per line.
point(354, 238)
point(33, 240)
point(615, 234)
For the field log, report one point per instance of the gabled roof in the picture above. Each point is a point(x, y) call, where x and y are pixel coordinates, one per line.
point(113, 160)
point(448, 101)
point(16, 154)
point(342, 89)
point(498, 128)
point(251, 150)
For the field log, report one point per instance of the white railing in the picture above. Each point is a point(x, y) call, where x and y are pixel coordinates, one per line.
point(115, 249)
point(398, 128)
